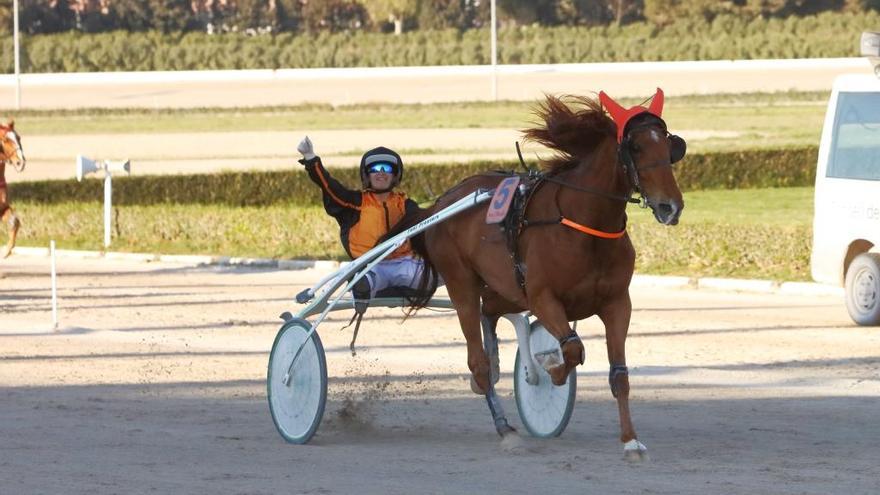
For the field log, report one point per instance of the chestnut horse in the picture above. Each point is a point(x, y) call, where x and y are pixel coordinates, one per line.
point(10, 153)
point(566, 255)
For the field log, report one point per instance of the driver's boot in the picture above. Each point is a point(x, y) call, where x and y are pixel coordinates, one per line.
point(361, 294)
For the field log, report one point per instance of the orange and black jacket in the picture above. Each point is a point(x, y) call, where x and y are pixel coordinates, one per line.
point(362, 217)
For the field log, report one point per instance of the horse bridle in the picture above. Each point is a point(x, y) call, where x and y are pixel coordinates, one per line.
point(542, 177)
point(624, 152)
point(631, 171)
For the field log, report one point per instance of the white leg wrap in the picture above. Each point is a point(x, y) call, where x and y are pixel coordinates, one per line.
point(634, 445)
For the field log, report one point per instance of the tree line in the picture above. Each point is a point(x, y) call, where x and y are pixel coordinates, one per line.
point(387, 16)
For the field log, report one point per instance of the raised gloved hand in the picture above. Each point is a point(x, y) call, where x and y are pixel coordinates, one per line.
point(306, 149)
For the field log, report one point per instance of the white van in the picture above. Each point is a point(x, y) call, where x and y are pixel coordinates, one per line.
point(846, 222)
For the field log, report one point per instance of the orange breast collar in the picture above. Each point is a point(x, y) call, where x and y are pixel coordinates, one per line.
point(589, 231)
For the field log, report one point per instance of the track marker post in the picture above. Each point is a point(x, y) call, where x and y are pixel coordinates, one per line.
point(85, 166)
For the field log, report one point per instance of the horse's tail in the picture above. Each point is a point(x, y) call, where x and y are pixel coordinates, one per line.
point(428, 279)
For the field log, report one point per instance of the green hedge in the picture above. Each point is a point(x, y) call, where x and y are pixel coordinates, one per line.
point(727, 37)
point(732, 170)
point(749, 169)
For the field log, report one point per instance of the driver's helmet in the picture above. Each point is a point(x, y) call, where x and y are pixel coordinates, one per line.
point(381, 155)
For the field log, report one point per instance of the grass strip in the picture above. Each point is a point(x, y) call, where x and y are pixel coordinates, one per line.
point(758, 233)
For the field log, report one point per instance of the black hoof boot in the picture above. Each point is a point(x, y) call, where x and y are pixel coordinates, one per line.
point(503, 427)
point(361, 294)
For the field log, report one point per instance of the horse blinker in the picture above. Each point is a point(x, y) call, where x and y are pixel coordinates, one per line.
point(677, 148)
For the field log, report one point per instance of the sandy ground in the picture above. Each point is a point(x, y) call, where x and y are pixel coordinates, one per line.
point(154, 382)
point(623, 79)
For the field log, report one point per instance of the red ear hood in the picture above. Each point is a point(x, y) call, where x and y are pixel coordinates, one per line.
point(621, 115)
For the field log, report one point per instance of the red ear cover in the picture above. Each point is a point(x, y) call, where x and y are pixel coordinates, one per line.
point(621, 115)
point(657, 103)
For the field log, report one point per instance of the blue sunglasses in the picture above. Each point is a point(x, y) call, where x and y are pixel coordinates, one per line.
point(381, 167)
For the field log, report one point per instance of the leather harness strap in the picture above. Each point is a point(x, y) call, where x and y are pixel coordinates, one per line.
point(515, 222)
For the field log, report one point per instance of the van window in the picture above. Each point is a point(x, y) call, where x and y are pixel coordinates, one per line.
point(855, 142)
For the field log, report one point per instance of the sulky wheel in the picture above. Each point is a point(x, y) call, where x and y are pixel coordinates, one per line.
point(297, 405)
point(543, 407)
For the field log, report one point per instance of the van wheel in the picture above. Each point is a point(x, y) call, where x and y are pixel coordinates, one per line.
point(863, 289)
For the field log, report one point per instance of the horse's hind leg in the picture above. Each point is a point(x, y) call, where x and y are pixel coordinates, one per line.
point(490, 346)
point(490, 340)
point(616, 318)
point(463, 287)
point(493, 307)
point(8, 217)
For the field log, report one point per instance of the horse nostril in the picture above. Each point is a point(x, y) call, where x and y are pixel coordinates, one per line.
point(667, 213)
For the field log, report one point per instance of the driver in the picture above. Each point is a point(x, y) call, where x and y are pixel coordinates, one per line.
point(366, 215)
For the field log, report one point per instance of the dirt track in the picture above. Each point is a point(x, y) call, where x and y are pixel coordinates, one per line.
point(155, 382)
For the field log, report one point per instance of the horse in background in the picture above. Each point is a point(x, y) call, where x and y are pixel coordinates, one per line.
point(12, 153)
point(564, 253)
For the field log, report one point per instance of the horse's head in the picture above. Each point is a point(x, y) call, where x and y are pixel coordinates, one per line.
point(10, 146)
point(647, 151)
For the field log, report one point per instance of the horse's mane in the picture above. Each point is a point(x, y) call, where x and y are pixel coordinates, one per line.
point(573, 126)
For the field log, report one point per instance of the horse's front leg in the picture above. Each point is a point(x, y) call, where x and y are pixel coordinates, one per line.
point(7, 216)
point(550, 311)
point(616, 316)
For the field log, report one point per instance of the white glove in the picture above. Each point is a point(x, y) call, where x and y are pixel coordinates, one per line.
point(305, 148)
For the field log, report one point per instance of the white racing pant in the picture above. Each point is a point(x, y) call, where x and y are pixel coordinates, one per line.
point(399, 272)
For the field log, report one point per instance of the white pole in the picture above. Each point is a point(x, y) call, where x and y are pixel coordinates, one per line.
point(17, 57)
point(54, 287)
point(494, 54)
point(108, 194)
